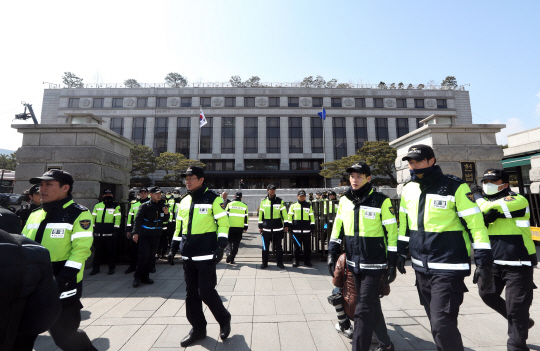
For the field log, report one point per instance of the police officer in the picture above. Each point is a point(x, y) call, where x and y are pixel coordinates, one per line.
point(238, 221)
point(149, 223)
point(171, 225)
point(201, 232)
point(437, 218)
point(365, 220)
point(329, 209)
point(273, 221)
point(133, 245)
point(506, 215)
point(34, 202)
point(65, 229)
point(132, 198)
point(10, 220)
point(302, 224)
point(106, 227)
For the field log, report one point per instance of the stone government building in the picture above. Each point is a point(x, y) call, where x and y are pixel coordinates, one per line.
point(261, 135)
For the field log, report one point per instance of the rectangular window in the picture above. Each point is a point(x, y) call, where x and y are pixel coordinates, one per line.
point(185, 102)
point(401, 103)
point(295, 135)
point(402, 126)
point(316, 135)
point(336, 102)
point(340, 139)
point(161, 102)
point(251, 135)
point(139, 130)
point(117, 125)
point(293, 102)
point(381, 129)
point(360, 132)
point(142, 102)
point(360, 103)
point(206, 102)
point(161, 132)
point(317, 101)
point(273, 102)
point(261, 165)
point(227, 135)
point(249, 102)
point(418, 103)
point(97, 103)
point(230, 102)
point(441, 103)
point(218, 165)
point(378, 103)
point(272, 135)
point(73, 103)
point(183, 132)
point(118, 102)
point(305, 165)
point(418, 124)
point(206, 136)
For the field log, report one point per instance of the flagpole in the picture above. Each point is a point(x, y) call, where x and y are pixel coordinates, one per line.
point(324, 141)
point(199, 151)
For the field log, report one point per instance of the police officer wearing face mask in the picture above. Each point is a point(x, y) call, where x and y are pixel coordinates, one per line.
point(437, 218)
point(107, 219)
point(506, 215)
point(133, 245)
point(302, 224)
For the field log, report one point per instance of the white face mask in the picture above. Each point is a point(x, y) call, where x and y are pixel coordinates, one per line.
point(176, 196)
point(490, 188)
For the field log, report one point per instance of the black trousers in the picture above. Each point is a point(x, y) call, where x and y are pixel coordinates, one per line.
point(201, 280)
point(299, 240)
point(367, 289)
point(133, 253)
point(518, 299)
point(235, 236)
point(105, 251)
point(380, 329)
point(276, 238)
point(148, 247)
point(166, 239)
point(441, 296)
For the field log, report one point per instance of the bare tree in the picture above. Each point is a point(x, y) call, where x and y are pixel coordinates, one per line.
point(420, 86)
point(410, 86)
point(236, 81)
point(449, 81)
point(175, 80)
point(382, 85)
point(393, 86)
point(400, 85)
point(319, 82)
point(132, 83)
point(253, 82)
point(307, 82)
point(72, 81)
point(331, 83)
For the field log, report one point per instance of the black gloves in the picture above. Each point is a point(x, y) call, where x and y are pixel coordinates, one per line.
point(332, 258)
point(67, 276)
point(492, 215)
point(486, 273)
point(218, 255)
point(476, 189)
point(400, 263)
point(390, 274)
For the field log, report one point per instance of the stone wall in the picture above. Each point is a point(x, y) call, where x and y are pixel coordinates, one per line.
point(534, 174)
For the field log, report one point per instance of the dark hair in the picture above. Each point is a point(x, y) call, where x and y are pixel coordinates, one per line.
point(62, 183)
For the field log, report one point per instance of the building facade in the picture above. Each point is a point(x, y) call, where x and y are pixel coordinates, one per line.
point(260, 135)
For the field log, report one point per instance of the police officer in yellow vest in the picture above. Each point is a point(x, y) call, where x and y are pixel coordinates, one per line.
point(201, 233)
point(238, 221)
point(506, 215)
point(273, 221)
point(437, 217)
point(107, 219)
point(65, 229)
point(133, 245)
point(302, 224)
point(365, 221)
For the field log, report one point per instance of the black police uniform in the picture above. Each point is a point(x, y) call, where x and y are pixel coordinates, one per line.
point(133, 246)
point(10, 221)
point(106, 234)
point(25, 211)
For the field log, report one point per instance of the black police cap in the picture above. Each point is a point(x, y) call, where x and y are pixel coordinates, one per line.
point(271, 186)
point(360, 167)
point(145, 189)
point(34, 189)
point(107, 192)
point(332, 192)
point(301, 193)
point(496, 174)
point(419, 152)
point(194, 170)
point(54, 174)
point(238, 194)
point(154, 190)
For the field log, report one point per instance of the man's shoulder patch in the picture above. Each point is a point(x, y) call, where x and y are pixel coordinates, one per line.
point(391, 210)
point(454, 178)
point(223, 205)
point(85, 224)
point(80, 207)
point(470, 196)
point(509, 198)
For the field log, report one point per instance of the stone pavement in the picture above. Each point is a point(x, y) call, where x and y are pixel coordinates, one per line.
point(271, 309)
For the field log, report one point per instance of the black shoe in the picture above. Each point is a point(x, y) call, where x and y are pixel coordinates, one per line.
point(136, 283)
point(225, 331)
point(129, 270)
point(264, 265)
point(153, 270)
point(308, 264)
point(294, 263)
point(380, 348)
point(280, 265)
point(531, 323)
point(232, 261)
point(111, 271)
point(191, 338)
point(147, 281)
point(94, 271)
point(228, 260)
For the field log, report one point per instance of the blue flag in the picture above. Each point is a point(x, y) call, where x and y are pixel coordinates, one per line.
point(322, 114)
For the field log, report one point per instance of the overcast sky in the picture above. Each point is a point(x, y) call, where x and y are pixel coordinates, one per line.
point(493, 46)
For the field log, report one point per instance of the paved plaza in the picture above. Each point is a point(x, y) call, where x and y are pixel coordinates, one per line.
point(271, 309)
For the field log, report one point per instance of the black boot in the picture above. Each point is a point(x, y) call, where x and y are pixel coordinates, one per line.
point(295, 262)
point(264, 265)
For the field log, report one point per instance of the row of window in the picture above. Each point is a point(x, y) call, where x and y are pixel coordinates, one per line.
point(263, 165)
point(251, 134)
point(161, 102)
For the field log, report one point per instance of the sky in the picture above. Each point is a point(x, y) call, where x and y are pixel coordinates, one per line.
point(493, 46)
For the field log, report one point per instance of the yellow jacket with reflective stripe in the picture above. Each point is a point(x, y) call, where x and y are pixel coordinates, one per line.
point(107, 218)
point(301, 219)
point(238, 214)
point(272, 214)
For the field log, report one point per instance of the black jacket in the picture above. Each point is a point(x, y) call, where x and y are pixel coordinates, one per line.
point(29, 303)
point(25, 211)
point(150, 219)
point(9, 221)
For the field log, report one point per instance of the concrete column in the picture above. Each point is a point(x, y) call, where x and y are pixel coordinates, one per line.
point(151, 101)
point(128, 127)
point(327, 102)
point(369, 102)
point(284, 143)
point(349, 133)
point(412, 124)
point(306, 134)
point(216, 138)
point(328, 140)
point(392, 132)
point(194, 139)
point(239, 101)
point(239, 144)
point(195, 101)
point(171, 137)
point(371, 134)
point(261, 131)
point(149, 136)
point(283, 101)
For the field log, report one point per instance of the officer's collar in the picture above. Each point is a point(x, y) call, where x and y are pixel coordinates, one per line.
point(56, 205)
point(359, 195)
point(198, 192)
